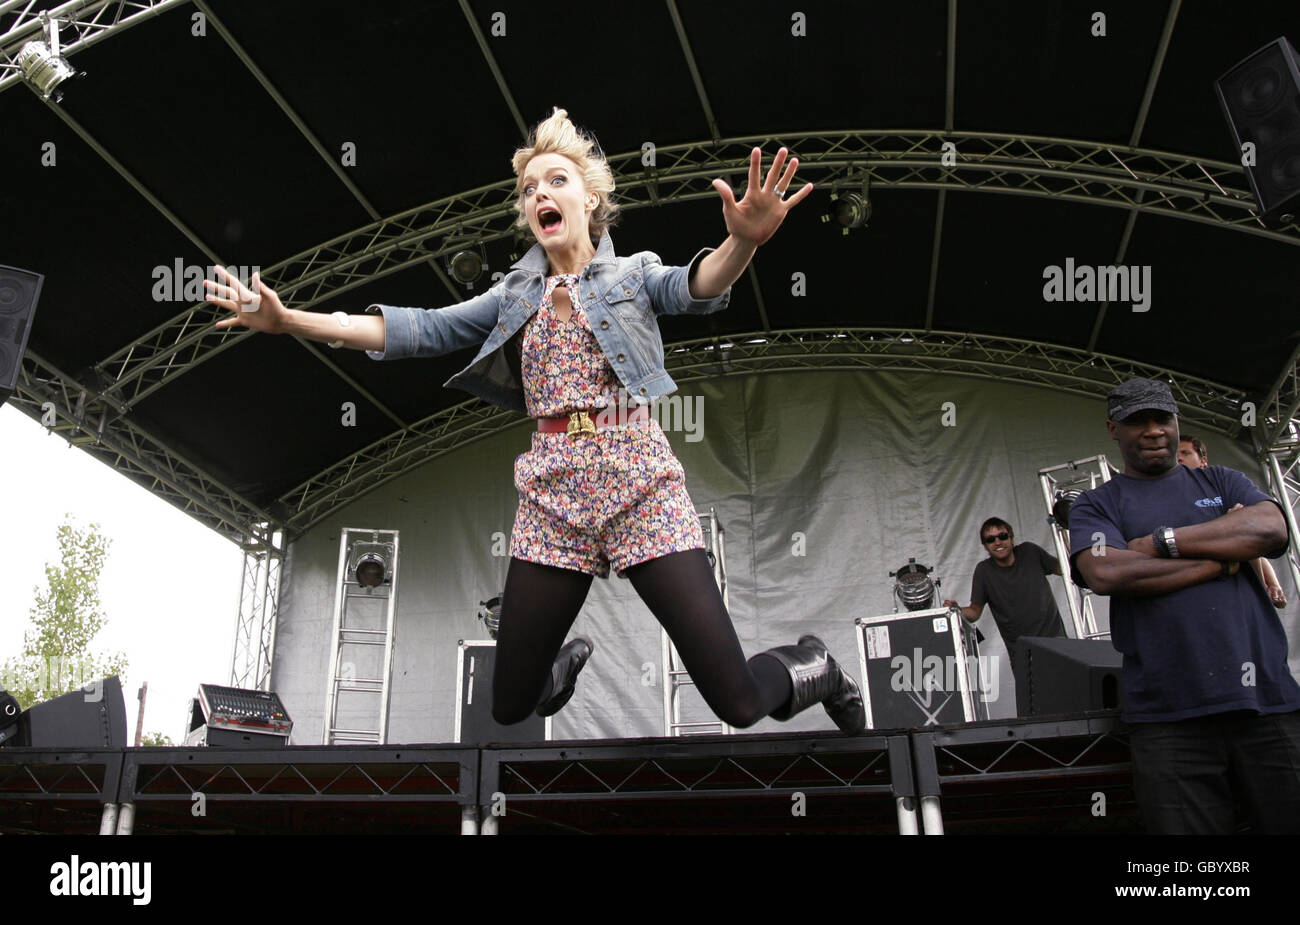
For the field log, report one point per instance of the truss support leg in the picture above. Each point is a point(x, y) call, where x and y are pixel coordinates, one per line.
point(126, 819)
point(931, 817)
point(907, 820)
point(469, 820)
point(108, 820)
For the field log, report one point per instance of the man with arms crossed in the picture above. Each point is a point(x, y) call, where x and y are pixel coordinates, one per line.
point(1213, 708)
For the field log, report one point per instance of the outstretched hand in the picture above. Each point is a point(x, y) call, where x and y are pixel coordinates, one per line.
point(255, 306)
point(762, 209)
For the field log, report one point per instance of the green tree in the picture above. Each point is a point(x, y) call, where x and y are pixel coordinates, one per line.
point(64, 621)
point(156, 738)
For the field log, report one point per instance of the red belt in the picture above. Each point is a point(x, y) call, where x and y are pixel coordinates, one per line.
point(586, 422)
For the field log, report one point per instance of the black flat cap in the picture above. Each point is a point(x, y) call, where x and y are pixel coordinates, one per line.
point(1139, 395)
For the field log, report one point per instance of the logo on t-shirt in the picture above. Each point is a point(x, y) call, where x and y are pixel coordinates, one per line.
point(1210, 502)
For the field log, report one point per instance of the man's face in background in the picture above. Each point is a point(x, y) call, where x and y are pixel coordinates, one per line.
point(1188, 456)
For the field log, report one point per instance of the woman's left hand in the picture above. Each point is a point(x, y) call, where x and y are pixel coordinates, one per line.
point(757, 216)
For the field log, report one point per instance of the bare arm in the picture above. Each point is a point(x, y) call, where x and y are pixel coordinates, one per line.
point(750, 222)
point(259, 308)
point(722, 268)
point(1126, 571)
point(1268, 578)
point(363, 332)
point(1237, 536)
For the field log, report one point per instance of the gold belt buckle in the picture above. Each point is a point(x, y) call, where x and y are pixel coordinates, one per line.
point(580, 423)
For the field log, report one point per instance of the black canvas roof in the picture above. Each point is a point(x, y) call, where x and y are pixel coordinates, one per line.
point(174, 147)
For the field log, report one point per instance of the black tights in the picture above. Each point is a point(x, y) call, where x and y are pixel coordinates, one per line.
point(540, 603)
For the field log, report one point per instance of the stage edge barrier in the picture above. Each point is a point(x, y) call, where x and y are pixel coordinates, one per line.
point(912, 768)
point(91, 775)
point(699, 767)
point(1014, 749)
point(379, 774)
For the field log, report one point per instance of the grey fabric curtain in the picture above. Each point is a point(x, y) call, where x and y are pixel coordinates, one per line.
point(823, 481)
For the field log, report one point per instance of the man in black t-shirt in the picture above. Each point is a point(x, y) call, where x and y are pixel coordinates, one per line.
point(1013, 582)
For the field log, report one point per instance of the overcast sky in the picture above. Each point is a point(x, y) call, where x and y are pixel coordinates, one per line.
point(170, 586)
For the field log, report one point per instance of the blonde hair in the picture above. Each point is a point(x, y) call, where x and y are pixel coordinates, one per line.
point(557, 135)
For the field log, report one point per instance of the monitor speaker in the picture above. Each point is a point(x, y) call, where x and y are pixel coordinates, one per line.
point(9, 714)
point(92, 717)
point(1055, 675)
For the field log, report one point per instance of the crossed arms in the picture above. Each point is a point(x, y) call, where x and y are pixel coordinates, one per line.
point(1236, 537)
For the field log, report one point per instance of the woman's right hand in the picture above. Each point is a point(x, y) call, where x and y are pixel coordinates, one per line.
point(258, 308)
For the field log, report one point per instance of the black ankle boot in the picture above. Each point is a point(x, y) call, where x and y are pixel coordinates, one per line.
point(564, 674)
point(818, 678)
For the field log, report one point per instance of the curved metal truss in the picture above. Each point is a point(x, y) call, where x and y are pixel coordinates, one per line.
point(82, 23)
point(64, 405)
point(99, 427)
point(1135, 179)
point(1209, 405)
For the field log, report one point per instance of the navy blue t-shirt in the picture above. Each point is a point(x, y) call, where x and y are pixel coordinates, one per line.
point(1186, 653)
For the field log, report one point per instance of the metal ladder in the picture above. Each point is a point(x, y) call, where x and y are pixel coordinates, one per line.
point(1081, 475)
point(675, 676)
point(359, 628)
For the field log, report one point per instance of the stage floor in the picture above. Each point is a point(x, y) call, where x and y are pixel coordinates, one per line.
point(1041, 775)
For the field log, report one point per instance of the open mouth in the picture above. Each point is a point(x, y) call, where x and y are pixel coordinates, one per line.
point(549, 219)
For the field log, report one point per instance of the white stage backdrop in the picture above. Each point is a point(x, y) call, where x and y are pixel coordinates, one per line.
point(824, 482)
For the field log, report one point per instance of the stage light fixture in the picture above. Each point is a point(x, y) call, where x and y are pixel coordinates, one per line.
point(468, 259)
point(466, 266)
point(914, 587)
point(850, 209)
point(45, 70)
point(1061, 506)
point(370, 563)
point(520, 242)
point(371, 570)
point(490, 614)
point(42, 65)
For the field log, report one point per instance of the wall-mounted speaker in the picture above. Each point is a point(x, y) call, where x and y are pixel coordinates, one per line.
point(1260, 97)
point(19, 292)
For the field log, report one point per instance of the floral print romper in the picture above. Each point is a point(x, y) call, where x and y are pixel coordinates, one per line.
point(588, 501)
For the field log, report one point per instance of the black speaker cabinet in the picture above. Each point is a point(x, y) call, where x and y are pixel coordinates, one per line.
point(19, 292)
point(474, 722)
point(1055, 675)
point(93, 718)
point(1260, 97)
point(9, 714)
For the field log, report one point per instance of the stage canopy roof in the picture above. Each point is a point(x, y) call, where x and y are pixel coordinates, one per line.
point(211, 131)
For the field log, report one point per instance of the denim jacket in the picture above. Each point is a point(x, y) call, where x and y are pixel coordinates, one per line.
point(621, 297)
